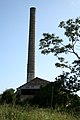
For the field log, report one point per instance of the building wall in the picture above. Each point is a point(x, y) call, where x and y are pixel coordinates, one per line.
point(31, 88)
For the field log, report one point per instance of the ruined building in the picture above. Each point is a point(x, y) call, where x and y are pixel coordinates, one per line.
point(33, 84)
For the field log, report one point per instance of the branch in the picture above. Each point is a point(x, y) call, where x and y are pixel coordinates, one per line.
point(76, 54)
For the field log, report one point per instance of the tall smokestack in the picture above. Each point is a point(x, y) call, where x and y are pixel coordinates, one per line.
point(31, 46)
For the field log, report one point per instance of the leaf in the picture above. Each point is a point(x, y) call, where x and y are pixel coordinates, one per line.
point(61, 59)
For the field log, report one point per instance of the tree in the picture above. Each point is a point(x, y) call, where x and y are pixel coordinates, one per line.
point(8, 96)
point(59, 47)
point(53, 95)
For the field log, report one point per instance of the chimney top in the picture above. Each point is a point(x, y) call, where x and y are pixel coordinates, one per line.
point(33, 8)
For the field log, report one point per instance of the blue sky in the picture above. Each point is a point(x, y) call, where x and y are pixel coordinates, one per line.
point(14, 25)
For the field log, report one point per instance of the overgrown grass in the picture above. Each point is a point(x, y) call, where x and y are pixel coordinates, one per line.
point(8, 112)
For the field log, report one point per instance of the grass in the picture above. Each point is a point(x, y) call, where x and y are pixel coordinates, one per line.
point(8, 112)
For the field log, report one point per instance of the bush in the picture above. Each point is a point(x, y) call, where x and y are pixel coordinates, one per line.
point(8, 96)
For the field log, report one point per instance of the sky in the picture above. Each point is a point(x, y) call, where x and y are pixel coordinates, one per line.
point(14, 30)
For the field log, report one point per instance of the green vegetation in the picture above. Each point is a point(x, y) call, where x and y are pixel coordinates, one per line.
point(68, 82)
point(8, 112)
point(54, 95)
point(51, 96)
point(8, 96)
point(62, 49)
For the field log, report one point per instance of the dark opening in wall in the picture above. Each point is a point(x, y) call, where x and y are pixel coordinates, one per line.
point(29, 91)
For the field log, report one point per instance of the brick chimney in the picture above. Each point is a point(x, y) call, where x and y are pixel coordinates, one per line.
point(31, 46)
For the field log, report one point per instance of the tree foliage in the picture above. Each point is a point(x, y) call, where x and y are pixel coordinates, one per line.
point(8, 96)
point(51, 95)
point(54, 95)
point(50, 43)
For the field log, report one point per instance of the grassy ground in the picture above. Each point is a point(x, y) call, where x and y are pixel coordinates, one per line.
point(32, 113)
